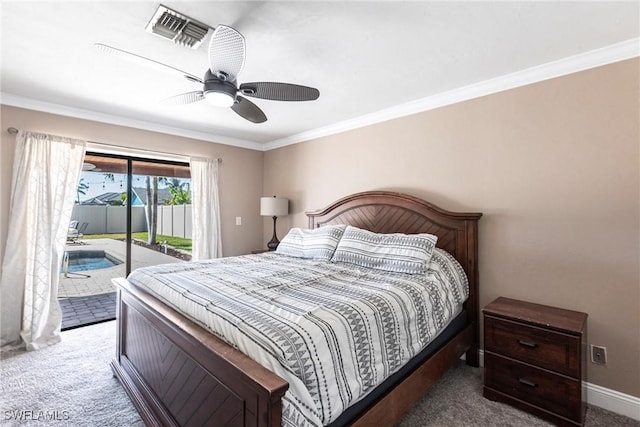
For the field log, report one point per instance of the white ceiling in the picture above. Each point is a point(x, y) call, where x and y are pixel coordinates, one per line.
point(364, 57)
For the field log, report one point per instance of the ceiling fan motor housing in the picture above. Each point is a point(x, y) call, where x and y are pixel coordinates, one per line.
point(217, 88)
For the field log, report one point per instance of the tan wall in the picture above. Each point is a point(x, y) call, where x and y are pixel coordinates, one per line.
point(554, 168)
point(240, 172)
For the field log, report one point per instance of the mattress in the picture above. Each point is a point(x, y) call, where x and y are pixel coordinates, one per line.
point(332, 330)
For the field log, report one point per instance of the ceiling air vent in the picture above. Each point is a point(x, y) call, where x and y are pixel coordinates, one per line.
point(177, 27)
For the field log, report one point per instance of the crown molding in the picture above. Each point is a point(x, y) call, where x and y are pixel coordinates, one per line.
point(595, 58)
point(607, 55)
point(78, 113)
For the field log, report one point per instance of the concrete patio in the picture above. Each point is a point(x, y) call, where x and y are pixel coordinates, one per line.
point(83, 311)
point(93, 282)
point(88, 297)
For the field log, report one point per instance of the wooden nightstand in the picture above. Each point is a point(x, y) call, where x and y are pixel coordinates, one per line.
point(535, 359)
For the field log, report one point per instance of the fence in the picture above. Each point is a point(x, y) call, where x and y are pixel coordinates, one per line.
point(105, 219)
point(175, 220)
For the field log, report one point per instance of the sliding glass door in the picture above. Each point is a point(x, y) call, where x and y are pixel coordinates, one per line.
point(96, 249)
point(129, 212)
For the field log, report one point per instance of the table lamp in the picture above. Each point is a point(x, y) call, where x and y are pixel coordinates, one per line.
point(274, 207)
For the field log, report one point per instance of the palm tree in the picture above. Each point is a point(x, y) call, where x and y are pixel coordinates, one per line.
point(180, 192)
point(151, 208)
point(82, 189)
point(108, 177)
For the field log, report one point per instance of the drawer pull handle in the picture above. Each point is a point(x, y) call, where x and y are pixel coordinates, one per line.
point(527, 344)
point(527, 382)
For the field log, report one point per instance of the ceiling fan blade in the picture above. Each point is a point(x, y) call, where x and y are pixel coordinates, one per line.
point(279, 91)
point(248, 110)
point(184, 98)
point(146, 61)
point(226, 53)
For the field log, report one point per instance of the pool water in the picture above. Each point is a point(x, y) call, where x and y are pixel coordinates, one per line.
point(84, 264)
point(90, 260)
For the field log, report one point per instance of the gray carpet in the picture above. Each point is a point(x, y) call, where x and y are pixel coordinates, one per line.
point(69, 383)
point(456, 400)
point(72, 383)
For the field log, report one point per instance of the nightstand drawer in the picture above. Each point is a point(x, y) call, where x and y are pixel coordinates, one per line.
point(544, 348)
point(547, 390)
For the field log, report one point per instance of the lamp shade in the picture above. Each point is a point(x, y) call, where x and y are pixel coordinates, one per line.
point(274, 206)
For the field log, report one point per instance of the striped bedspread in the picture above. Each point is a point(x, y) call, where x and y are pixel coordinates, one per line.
point(332, 330)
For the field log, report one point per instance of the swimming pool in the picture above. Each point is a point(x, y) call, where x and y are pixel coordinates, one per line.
point(89, 260)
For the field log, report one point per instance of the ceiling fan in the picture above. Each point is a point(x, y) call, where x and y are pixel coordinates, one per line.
point(220, 86)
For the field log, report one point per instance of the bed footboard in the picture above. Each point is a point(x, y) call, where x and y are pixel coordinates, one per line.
point(177, 373)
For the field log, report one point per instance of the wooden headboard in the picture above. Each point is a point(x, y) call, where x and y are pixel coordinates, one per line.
point(389, 212)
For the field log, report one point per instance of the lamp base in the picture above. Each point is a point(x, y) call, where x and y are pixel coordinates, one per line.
point(273, 245)
point(274, 242)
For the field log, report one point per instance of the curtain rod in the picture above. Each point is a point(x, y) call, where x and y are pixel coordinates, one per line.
point(14, 131)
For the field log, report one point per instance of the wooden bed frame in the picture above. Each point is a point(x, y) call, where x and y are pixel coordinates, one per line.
point(177, 373)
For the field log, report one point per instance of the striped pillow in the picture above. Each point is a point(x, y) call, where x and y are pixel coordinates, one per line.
point(400, 253)
point(318, 243)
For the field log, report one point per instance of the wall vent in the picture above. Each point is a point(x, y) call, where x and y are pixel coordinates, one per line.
point(178, 28)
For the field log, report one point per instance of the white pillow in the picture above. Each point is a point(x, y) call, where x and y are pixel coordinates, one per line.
point(318, 243)
point(397, 252)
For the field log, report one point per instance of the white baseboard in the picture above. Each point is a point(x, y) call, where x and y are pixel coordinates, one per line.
point(611, 400)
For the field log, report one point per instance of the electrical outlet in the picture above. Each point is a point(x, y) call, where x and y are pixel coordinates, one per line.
point(238, 220)
point(598, 354)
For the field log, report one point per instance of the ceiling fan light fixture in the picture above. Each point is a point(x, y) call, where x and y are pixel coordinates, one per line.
point(219, 93)
point(219, 99)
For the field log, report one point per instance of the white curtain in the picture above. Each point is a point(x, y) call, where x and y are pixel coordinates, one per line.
point(207, 241)
point(45, 180)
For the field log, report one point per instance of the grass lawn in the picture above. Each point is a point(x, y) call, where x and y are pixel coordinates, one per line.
point(174, 242)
